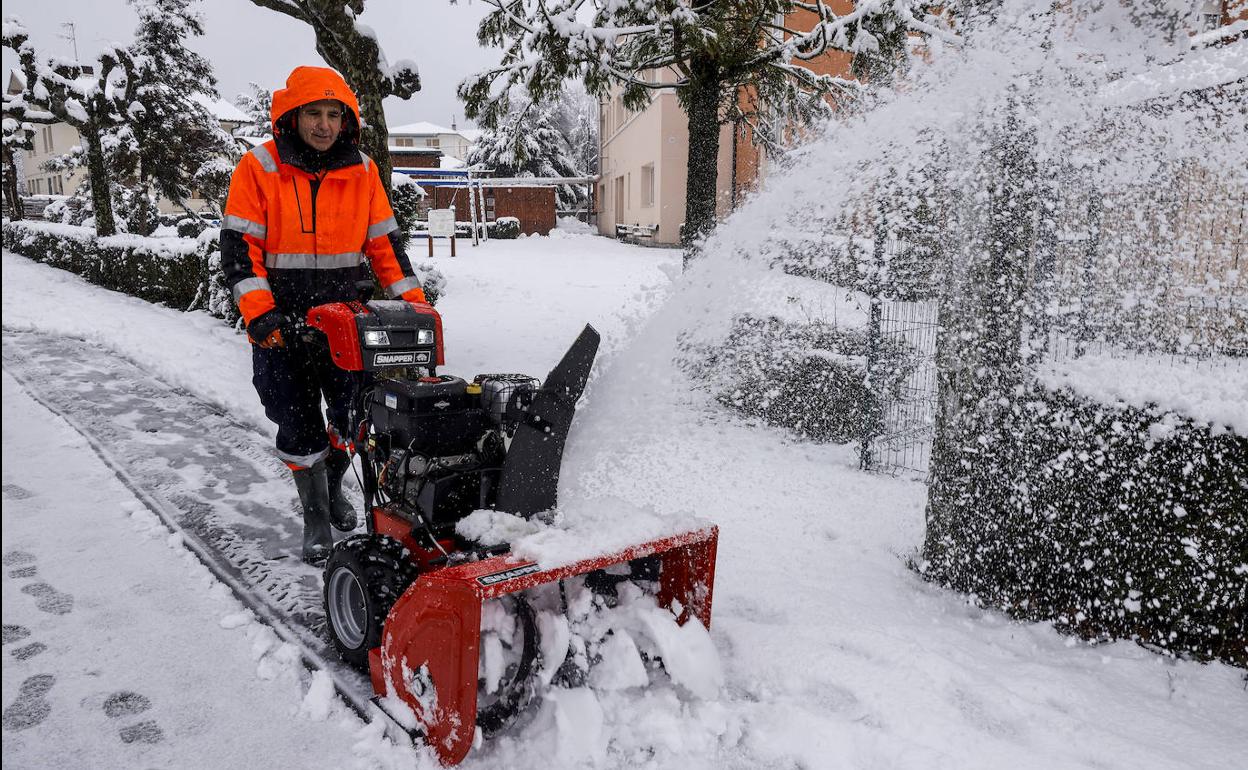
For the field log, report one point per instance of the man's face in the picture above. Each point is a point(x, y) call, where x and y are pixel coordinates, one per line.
point(319, 123)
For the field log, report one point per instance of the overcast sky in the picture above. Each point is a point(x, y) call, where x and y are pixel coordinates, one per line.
point(247, 43)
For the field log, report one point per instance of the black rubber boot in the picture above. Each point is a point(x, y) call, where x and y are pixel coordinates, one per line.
point(342, 515)
point(313, 486)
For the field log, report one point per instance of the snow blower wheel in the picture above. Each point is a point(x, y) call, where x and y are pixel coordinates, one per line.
point(364, 576)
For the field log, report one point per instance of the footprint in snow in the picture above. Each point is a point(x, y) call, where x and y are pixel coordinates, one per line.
point(15, 558)
point(26, 652)
point(48, 599)
point(14, 634)
point(31, 707)
point(128, 704)
point(14, 492)
point(24, 572)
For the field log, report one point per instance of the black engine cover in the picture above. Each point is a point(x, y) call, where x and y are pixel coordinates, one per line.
point(434, 416)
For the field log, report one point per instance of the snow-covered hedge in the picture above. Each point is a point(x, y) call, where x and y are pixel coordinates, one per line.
point(808, 377)
point(1114, 521)
point(183, 273)
point(504, 228)
point(168, 271)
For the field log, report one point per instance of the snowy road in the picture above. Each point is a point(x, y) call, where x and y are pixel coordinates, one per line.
point(122, 651)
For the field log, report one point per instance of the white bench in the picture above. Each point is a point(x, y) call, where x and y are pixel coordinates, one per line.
point(635, 233)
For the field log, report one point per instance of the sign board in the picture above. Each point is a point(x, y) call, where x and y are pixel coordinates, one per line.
point(442, 223)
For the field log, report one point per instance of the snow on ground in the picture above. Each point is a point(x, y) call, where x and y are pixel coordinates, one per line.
point(834, 653)
point(122, 650)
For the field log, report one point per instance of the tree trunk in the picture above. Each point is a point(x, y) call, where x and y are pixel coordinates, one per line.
point(10, 187)
point(702, 105)
point(97, 171)
point(374, 140)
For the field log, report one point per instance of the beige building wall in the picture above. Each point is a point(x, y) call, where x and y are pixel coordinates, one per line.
point(58, 139)
point(642, 167)
point(49, 142)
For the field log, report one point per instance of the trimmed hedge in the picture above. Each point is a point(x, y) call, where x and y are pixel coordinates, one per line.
point(1112, 521)
point(809, 378)
point(182, 273)
point(167, 271)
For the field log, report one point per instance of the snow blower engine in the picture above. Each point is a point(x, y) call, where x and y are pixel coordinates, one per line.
point(405, 601)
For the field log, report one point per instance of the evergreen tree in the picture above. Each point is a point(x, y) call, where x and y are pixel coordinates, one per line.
point(528, 142)
point(258, 106)
point(733, 62)
point(180, 141)
point(577, 119)
point(96, 100)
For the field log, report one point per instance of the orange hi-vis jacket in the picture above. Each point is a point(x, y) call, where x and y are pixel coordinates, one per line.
point(300, 226)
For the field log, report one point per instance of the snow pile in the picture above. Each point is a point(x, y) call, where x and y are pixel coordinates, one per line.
point(602, 651)
point(576, 530)
point(565, 226)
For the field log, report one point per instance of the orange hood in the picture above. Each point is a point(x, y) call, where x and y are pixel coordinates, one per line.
point(312, 84)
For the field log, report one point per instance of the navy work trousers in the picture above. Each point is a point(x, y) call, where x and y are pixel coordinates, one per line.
point(291, 382)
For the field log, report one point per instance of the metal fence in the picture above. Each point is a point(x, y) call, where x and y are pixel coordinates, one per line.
point(1155, 276)
point(902, 441)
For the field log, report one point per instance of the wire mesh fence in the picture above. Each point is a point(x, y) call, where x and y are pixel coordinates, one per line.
point(902, 441)
point(1153, 277)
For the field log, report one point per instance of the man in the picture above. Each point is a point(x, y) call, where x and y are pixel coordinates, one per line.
point(306, 216)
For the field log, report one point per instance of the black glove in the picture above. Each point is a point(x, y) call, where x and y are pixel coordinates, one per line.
point(266, 329)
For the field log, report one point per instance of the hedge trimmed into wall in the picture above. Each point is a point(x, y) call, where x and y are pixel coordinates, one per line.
point(167, 271)
point(1113, 521)
point(182, 273)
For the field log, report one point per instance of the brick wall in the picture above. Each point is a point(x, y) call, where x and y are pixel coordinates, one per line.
point(533, 206)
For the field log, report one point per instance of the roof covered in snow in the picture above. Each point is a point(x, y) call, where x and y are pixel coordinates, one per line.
point(222, 109)
point(423, 128)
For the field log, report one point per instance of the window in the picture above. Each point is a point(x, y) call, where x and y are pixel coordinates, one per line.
point(602, 197)
point(58, 186)
point(647, 185)
point(404, 141)
point(47, 139)
point(1210, 21)
point(433, 142)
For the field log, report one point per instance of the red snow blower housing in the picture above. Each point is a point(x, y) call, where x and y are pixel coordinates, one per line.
point(405, 601)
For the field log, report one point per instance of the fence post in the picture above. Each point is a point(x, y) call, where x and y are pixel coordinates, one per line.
point(873, 411)
point(1091, 250)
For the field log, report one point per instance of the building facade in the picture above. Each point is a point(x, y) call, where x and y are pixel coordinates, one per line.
point(644, 156)
point(450, 142)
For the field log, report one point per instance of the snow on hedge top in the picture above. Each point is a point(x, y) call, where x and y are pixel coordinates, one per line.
point(1209, 392)
point(166, 247)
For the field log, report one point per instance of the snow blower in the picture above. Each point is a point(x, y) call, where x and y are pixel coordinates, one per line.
point(406, 602)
